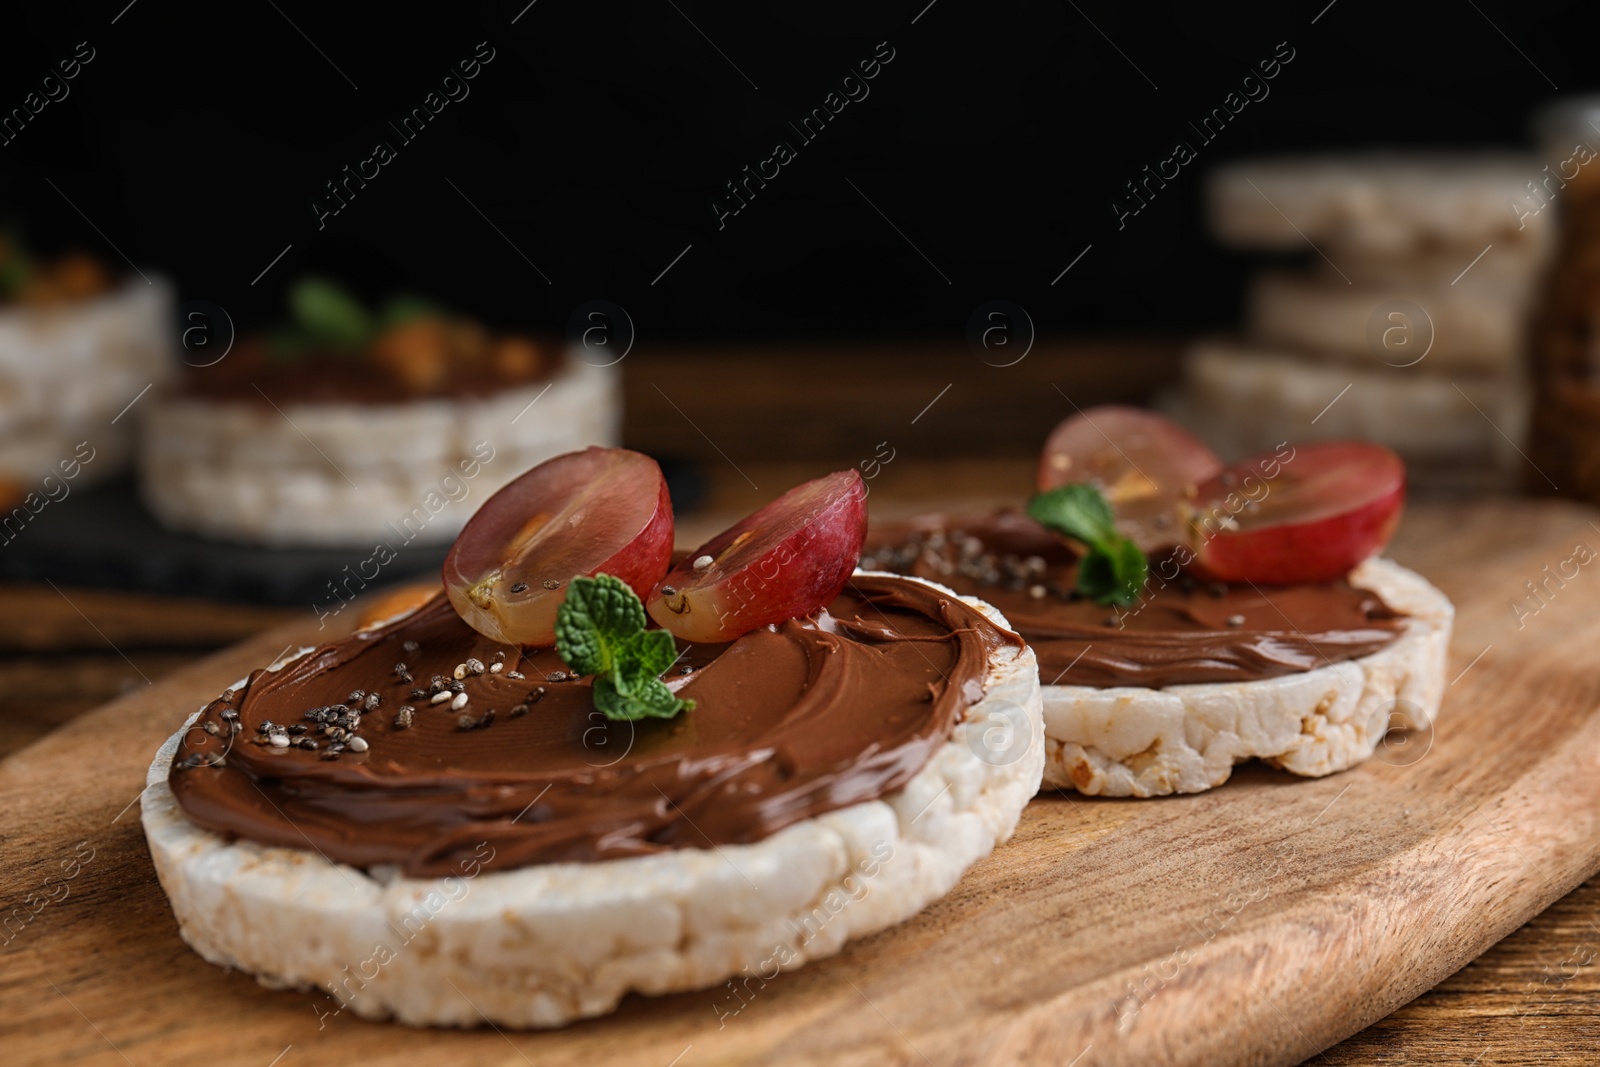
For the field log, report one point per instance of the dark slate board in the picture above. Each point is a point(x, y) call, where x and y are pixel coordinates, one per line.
point(103, 537)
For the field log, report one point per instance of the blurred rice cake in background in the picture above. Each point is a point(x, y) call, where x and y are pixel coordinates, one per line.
point(77, 347)
point(1407, 328)
point(355, 427)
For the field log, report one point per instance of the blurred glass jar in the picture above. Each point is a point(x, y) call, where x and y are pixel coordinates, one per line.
point(1564, 338)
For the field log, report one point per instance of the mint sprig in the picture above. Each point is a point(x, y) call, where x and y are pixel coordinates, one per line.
point(600, 631)
point(327, 318)
point(15, 266)
point(1114, 570)
point(326, 313)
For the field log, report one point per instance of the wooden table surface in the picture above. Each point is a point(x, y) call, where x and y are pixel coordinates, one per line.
point(1534, 998)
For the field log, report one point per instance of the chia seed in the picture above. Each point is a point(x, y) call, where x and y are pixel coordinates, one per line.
point(467, 722)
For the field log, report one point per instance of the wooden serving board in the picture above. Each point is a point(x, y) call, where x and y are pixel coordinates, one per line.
point(1256, 924)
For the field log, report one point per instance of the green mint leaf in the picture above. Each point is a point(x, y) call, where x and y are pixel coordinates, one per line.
point(651, 700)
point(600, 631)
point(645, 658)
point(1114, 574)
point(599, 616)
point(1114, 570)
point(15, 268)
point(404, 308)
point(656, 700)
point(1079, 511)
point(329, 314)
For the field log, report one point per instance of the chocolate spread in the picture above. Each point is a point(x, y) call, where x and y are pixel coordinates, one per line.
point(252, 375)
point(1180, 632)
point(790, 721)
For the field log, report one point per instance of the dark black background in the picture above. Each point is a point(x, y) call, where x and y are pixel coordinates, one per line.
point(595, 140)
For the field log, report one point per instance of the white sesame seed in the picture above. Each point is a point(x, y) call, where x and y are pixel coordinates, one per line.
point(702, 562)
point(460, 672)
point(1036, 592)
point(357, 744)
point(459, 702)
point(278, 740)
point(441, 697)
point(496, 668)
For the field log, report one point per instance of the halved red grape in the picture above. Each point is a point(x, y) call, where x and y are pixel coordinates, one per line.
point(788, 559)
point(1142, 463)
point(1305, 514)
point(602, 509)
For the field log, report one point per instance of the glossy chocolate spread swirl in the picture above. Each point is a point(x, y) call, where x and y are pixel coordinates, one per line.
point(1181, 632)
point(790, 722)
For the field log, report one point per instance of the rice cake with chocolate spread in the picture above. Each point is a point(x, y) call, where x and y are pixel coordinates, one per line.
point(837, 774)
point(1167, 695)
